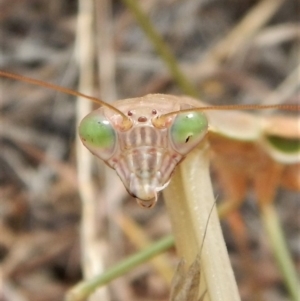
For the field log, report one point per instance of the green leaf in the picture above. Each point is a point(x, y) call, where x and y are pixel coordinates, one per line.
point(285, 145)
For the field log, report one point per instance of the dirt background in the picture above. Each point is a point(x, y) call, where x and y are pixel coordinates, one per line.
point(40, 208)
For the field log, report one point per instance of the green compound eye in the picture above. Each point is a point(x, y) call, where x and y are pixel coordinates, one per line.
point(187, 130)
point(98, 135)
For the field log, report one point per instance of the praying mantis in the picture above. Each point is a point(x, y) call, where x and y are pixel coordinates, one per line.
point(144, 139)
point(225, 124)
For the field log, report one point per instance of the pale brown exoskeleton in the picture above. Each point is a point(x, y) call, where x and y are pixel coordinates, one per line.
point(146, 154)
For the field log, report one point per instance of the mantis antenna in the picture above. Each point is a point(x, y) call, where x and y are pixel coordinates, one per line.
point(161, 120)
point(127, 124)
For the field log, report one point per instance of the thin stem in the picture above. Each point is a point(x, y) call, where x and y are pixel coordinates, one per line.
point(93, 253)
point(83, 289)
point(162, 48)
point(278, 243)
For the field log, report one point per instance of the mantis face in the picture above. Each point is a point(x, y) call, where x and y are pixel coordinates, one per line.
point(144, 155)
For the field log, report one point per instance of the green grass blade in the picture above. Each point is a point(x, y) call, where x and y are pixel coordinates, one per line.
point(278, 243)
point(84, 288)
point(162, 48)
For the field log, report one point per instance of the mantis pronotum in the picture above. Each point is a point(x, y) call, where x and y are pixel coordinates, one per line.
point(144, 139)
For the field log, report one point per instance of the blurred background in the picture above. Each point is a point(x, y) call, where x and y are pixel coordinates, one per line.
point(40, 196)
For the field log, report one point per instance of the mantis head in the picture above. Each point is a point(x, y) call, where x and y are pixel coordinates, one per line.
point(144, 155)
